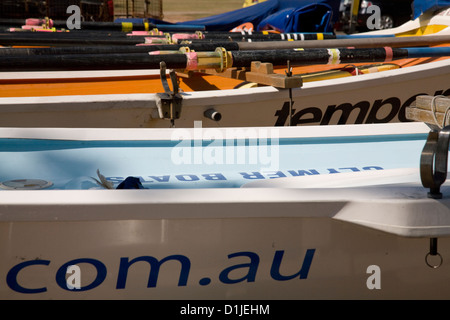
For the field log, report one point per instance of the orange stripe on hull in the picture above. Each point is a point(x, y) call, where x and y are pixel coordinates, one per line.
point(146, 84)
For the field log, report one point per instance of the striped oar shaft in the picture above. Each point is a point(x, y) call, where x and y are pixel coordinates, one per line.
point(334, 56)
point(400, 42)
point(235, 36)
point(317, 56)
point(267, 36)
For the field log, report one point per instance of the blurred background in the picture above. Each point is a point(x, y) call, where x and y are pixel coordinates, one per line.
point(108, 10)
point(393, 12)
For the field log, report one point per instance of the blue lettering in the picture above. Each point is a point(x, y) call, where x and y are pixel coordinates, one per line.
point(277, 174)
point(142, 179)
point(187, 177)
point(11, 278)
point(372, 168)
point(351, 169)
point(160, 178)
point(214, 176)
point(101, 273)
point(225, 275)
point(275, 270)
point(302, 172)
point(253, 175)
point(154, 269)
point(252, 268)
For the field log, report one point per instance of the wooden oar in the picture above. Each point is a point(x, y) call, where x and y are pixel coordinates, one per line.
point(220, 59)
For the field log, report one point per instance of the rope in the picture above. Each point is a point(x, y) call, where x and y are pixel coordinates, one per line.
point(354, 67)
point(433, 109)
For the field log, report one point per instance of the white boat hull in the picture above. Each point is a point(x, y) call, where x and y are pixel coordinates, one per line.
point(372, 98)
point(216, 256)
point(357, 234)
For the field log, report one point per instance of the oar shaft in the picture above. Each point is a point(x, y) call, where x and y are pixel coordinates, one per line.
point(228, 45)
point(220, 59)
point(400, 42)
point(266, 36)
point(317, 56)
point(107, 26)
point(427, 52)
point(91, 62)
point(103, 38)
point(64, 39)
point(207, 46)
point(257, 37)
point(116, 38)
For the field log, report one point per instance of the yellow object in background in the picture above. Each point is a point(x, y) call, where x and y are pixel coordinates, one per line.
point(248, 3)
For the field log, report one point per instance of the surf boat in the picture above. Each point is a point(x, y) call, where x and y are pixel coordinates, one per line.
point(261, 95)
point(213, 213)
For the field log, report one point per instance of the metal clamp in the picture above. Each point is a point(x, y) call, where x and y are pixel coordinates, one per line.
point(169, 102)
point(433, 161)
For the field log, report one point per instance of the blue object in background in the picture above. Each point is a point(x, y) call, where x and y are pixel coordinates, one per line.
point(421, 6)
point(300, 11)
point(311, 18)
point(257, 13)
point(130, 183)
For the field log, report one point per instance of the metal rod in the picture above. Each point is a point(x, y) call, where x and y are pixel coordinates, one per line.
point(433, 246)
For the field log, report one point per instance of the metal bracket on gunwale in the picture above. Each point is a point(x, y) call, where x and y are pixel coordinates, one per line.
point(433, 173)
point(433, 110)
point(169, 102)
point(434, 157)
point(433, 161)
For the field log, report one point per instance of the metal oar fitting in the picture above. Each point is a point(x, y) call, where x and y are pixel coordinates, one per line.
point(219, 60)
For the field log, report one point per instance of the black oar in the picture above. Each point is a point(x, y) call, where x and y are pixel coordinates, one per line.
point(237, 36)
point(234, 46)
point(108, 49)
point(334, 56)
point(268, 36)
point(64, 39)
point(118, 38)
point(49, 39)
point(219, 59)
point(395, 42)
point(108, 26)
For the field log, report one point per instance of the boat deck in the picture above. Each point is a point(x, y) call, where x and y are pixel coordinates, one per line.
point(201, 157)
